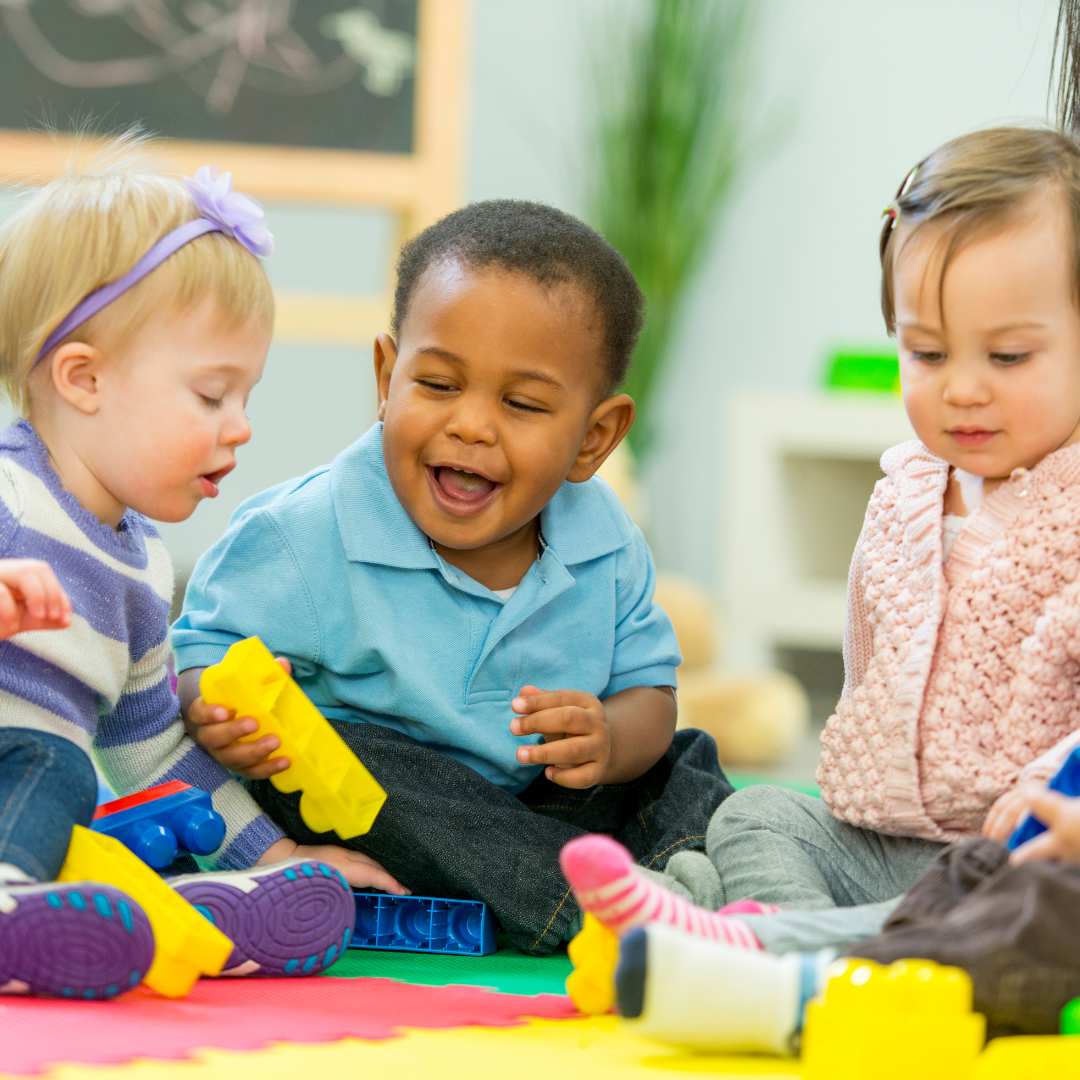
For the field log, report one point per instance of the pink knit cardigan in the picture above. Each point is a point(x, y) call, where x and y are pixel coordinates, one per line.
point(963, 678)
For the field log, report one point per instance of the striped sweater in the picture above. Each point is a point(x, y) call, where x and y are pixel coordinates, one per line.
point(103, 682)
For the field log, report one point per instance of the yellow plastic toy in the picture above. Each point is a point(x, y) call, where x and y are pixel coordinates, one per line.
point(594, 952)
point(1030, 1057)
point(186, 945)
point(912, 1019)
point(338, 792)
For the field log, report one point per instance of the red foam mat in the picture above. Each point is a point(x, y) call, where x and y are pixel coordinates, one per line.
point(244, 1014)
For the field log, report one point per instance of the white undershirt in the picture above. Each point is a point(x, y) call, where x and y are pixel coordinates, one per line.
point(505, 594)
point(951, 526)
point(971, 491)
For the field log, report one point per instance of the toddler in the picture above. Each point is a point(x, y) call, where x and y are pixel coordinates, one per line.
point(136, 321)
point(961, 647)
point(461, 564)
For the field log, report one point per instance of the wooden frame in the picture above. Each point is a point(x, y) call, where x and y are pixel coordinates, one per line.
point(418, 188)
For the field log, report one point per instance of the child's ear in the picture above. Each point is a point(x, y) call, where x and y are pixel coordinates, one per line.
point(385, 358)
point(608, 424)
point(76, 372)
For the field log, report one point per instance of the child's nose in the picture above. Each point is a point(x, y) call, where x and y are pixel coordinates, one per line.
point(236, 431)
point(965, 385)
point(471, 423)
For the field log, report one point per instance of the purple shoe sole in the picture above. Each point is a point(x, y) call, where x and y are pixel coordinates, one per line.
point(294, 918)
point(80, 940)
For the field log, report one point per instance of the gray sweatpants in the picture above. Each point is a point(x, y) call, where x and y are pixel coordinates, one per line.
point(837, 882)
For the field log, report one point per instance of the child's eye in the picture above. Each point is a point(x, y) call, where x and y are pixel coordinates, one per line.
point(440, 387)
point(520, 406)
point(1008, 359)
point(928, 357)
point(212, 402)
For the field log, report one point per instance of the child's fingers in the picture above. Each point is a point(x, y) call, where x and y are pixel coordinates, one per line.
point(9, 612)
point(201, 712)
point(284, 664)
point(564, 752)
point(569, 720)
point(531, 700)
point(28, 580)
point(216, 736)
point(1044, 846)
point(1048, 806)
point(584, 776)
point(262, 770)
point(242, 755)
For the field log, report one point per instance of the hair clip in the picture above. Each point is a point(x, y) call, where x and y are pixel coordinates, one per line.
point(236, 215)
point(891, 211)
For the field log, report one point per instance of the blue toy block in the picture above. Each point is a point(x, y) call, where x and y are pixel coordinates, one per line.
point(159, 822)
point(1067, 781)
point(423, 924)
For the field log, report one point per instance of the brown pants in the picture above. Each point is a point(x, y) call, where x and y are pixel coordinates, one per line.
point(1014, 929)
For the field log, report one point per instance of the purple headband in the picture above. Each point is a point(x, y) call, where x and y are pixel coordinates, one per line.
point(221, 210)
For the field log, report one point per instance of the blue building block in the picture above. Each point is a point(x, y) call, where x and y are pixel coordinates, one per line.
point(159, 822)
point(1067, 782)
point(423, 924)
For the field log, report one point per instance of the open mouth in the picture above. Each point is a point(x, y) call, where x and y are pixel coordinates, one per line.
point(209, 481)
point(459, 490)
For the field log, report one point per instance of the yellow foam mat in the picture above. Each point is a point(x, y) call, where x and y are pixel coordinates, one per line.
point(592, 1047)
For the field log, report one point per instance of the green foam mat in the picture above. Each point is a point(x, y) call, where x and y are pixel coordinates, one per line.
point(741, 780)
point(505, 970)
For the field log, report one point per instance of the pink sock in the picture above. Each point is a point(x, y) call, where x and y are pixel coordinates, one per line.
point(749, 907)
point(606, 882)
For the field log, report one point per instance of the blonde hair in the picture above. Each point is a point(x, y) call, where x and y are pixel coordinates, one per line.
point(973, 186)
point(87, 228)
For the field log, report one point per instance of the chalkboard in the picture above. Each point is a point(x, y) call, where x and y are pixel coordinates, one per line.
point(316, 73)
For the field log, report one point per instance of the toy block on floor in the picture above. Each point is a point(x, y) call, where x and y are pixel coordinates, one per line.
point(910, 1019)
point(594, 952)
point(338, 793)
point(423, 924)
point(160, 821)
point(1067, 781)
point(186, 945)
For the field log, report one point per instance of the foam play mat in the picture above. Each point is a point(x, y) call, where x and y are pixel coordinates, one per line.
point(401, 1013)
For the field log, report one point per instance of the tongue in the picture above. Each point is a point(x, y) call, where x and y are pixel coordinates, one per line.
point(464, 485)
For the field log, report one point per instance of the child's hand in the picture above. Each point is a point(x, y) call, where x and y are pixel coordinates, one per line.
point(217, 730)
point(1005, 814)
point(31, 598)
point(358, 869)
point(1061, 816)
point(574, 723)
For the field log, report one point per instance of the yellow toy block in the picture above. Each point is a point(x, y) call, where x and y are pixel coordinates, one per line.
point(911, 1019)
point(1030, 1057)
point(186, 945)
point(594, 952)
point(338, 792)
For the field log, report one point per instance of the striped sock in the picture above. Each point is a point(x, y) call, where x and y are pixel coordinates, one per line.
point(605, 881)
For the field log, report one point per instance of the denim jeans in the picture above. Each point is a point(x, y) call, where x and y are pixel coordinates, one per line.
point(446, 831)
point(783, 847)
point(1012, 928)
point(47, 785)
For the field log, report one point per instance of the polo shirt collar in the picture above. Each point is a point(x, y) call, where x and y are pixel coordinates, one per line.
point(582, 522)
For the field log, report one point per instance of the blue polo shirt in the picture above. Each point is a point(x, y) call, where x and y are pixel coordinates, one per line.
point(330, 571)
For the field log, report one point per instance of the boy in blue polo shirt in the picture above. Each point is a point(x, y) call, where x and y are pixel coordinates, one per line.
point(460, 557)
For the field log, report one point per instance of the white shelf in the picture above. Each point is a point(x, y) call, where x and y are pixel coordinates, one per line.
point(801, 468)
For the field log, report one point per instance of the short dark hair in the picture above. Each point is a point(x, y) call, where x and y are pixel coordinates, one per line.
point(547, 245)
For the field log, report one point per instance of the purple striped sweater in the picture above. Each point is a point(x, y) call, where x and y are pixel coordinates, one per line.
point(103, 682)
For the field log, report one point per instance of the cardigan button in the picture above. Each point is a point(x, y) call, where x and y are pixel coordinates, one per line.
point(1020, 478)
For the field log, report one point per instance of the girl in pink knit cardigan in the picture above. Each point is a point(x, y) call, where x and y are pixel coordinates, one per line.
point(962, 649)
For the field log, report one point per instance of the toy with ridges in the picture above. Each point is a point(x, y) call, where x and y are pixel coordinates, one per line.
point(594, 952)
point(423, 924)
point(911, 1019)
point(338, 793)
point(157, 823)
point(1067, 781)
point(185, 944)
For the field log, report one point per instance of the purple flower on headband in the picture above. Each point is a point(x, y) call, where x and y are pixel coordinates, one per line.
point(237, 215)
